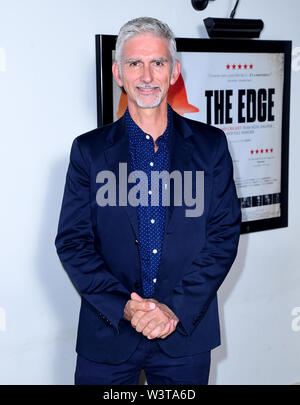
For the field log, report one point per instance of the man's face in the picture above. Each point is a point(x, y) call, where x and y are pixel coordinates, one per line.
point(146, 70)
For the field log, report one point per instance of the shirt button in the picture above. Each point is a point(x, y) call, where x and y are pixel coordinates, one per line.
point(150, 192)
point(147, 137)
point(152, 221)
point(154, 251)
point(154, 280)
point(151, 163)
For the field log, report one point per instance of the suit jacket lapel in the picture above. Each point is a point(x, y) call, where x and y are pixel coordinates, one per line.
point(117, 153)
point(180, 157)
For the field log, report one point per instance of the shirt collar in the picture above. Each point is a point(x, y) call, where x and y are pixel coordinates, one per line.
point(133, 128)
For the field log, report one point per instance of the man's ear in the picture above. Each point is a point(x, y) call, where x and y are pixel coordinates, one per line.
point(116, 73)
point(176, 72)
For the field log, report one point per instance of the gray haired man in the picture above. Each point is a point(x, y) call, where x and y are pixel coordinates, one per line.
point(148, 275)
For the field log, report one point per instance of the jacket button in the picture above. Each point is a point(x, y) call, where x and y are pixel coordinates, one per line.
point(136, 242)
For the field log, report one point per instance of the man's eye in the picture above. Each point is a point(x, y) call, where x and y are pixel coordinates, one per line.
point(158, 63)
point(135, 63)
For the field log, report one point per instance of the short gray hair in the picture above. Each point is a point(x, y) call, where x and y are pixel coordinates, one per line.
point(145, 25)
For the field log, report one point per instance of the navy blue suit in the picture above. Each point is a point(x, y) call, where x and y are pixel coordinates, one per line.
point(98, 246)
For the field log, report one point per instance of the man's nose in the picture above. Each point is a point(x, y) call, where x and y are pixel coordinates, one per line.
point(147, 74)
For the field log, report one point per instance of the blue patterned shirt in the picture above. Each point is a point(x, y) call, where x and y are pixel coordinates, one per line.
point(151, 218)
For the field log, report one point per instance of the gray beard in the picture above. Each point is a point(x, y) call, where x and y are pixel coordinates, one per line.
point(153, 105)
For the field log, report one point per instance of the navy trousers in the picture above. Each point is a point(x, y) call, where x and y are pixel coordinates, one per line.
point(159, 368)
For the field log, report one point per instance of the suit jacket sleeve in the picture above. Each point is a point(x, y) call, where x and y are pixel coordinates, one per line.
point(75, 245)
point(191, 296)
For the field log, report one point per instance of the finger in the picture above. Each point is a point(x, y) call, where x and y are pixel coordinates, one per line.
point(156, 317)
point(156, 331)
point(143, 305)
point(136, 317)
point(144, 323)
point(146, 317)
point(147, 322)
point(167, 327)
point(171, 330)
point(166, 331)
point(136, 297)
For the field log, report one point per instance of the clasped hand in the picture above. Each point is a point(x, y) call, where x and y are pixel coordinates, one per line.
point(150, 317)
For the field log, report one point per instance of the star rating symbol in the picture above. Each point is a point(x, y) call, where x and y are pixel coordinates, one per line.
point(257, 151)
point(239, 66)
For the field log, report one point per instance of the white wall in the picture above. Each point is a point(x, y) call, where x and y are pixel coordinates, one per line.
point(47, 97)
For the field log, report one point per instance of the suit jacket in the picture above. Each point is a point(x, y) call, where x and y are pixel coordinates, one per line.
point(98, 246)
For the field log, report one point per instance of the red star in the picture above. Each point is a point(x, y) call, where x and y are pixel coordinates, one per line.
point(227, 66)
point(252, 152)
point(271, 150)
point(245, 66)
point(240, 66)
point(256, 151)
point(261, 151)
point(233, 66)
point(251, 66)
point(267, 150)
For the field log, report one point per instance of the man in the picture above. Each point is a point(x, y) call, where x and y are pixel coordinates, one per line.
point(147, 273)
